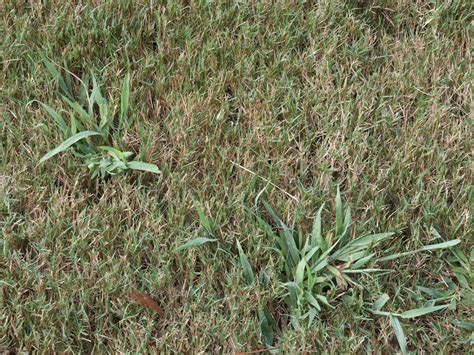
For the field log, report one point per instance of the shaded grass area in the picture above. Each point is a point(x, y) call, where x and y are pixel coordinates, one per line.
point(373, 96)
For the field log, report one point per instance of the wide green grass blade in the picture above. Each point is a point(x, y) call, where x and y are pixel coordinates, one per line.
point(246, 267)
point(371, 239)
point(380, 302)
point(87, 119)
point(124, 97)
point(418, 312)
point(117, 154)
point(318, 239)
point(266, 327)
point(204, 221)
point(67, 143)
point(139, 165)
point(398, 329)
point(299, 274)
point(57, 118)
point(443, 245)
point(312, 301)
point(195, 243)
point(57, 76)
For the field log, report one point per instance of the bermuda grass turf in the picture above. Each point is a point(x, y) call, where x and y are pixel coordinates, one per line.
point(237, 104)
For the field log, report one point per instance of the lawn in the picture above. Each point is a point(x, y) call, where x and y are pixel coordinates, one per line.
point(256, 115)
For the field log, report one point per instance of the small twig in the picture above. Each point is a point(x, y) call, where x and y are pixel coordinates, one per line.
point(264, 179)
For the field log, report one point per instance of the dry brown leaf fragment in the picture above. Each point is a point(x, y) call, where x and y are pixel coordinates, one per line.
point(146, 301)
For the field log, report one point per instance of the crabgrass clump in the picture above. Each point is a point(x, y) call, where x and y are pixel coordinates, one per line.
point(318, 264)
point(92, 130)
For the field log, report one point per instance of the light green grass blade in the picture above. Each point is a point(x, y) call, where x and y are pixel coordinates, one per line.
point(57, 76)
point(194, 243)
point(294, 253)
point(57, 118)
point(317, 231)
point(67, 143)
point(299, 275)
point(312, 301)
point(203, 220)
point(380, 302)
point(362, 261)
point(117, 154)
point(125, 96)
point(246, 267)
point(398, 329)
point(139, 165)
point(371, 239)
point(324, 300)
point(418, 312)
point(347, 221)
point(339, 213)
point(444, 245)
point(86, 119)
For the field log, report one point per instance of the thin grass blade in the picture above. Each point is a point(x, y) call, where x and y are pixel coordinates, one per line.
point(194, 243)
point(339, 213)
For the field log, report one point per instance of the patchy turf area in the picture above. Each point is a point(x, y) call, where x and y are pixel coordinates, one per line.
point(237, 104)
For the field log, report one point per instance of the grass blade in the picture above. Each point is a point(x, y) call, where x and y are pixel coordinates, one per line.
point(397, 327)
point(443, 245)
point(312, 301)
point(380, 302)
point(246, 267)
point(317, 231)
point(194, 243)
point(57, 76)
point(139, 165)
point(370, 239)
point(266, 327)
point(57, 118)
point(299, 275)
point(418, 312)
point(324, 300)
point(67, 143)
point(203, 220)
point(339, 213)
point(124, 98)
point(86, 119)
